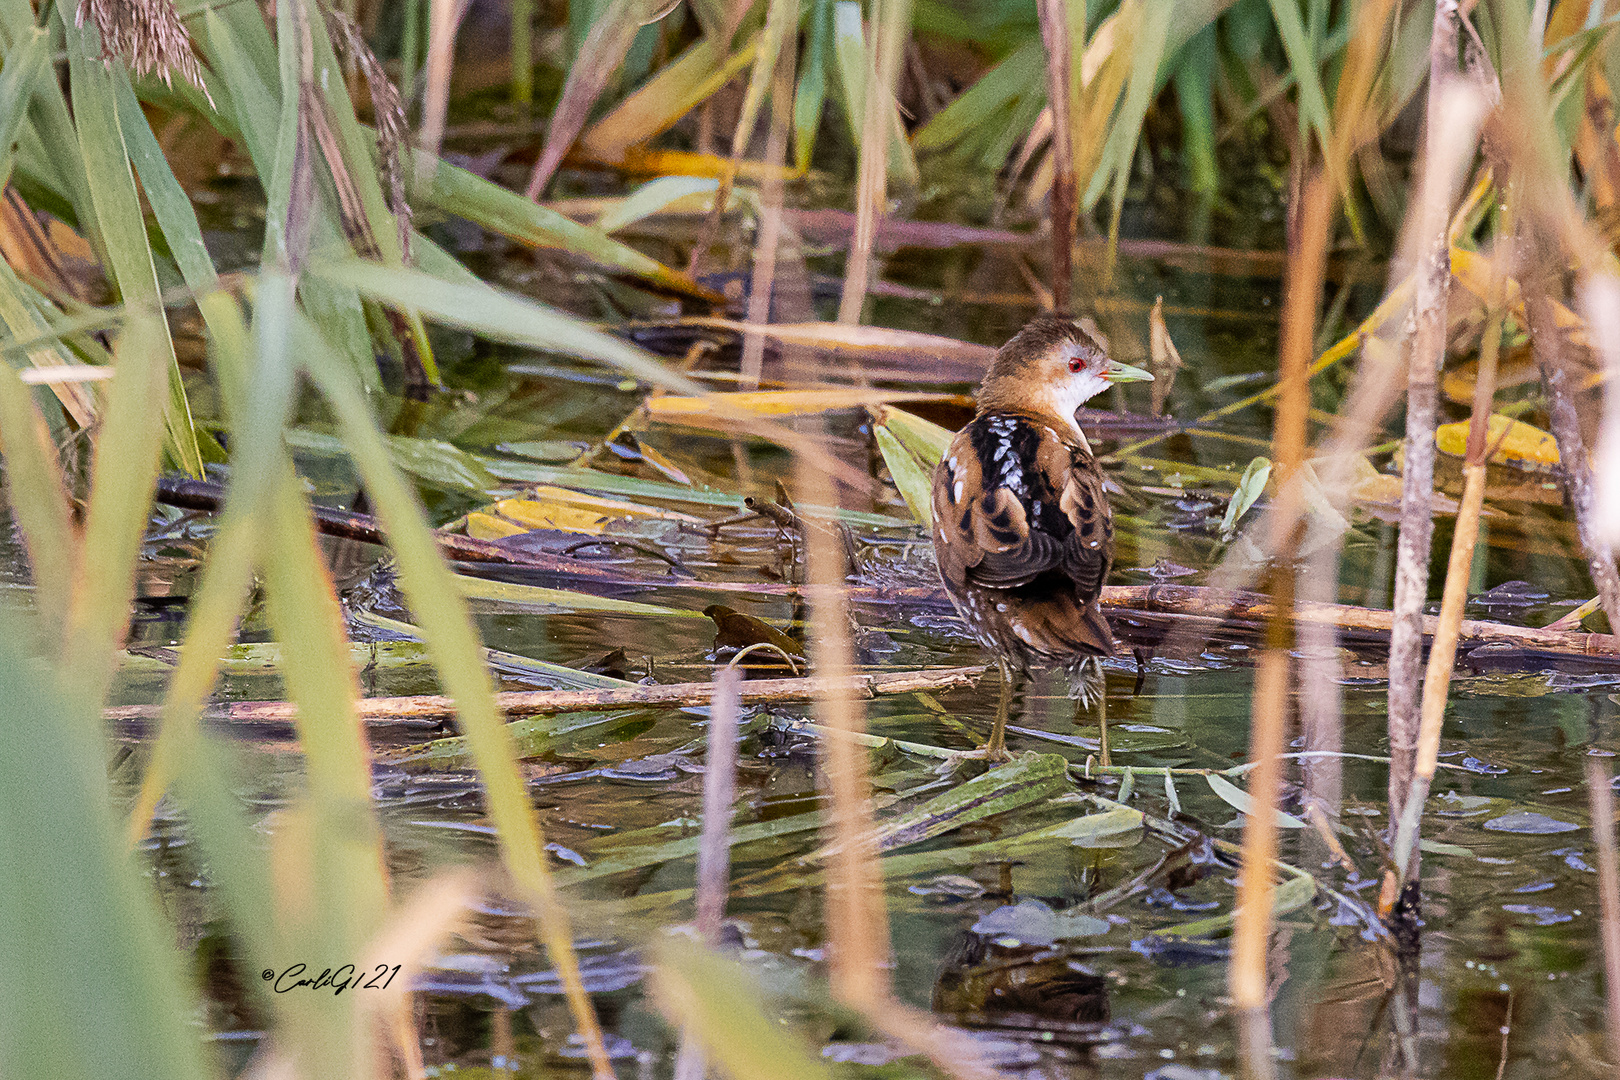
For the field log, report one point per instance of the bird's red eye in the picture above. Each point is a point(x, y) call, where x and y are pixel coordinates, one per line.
point(1076, 364)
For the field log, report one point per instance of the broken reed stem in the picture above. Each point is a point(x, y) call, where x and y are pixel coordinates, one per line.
point(1602, 803)
point(1054, 20)
point(714, 846)
point(891, 22)
point(763, 279)
point(1269, 715)
point(1443, 652)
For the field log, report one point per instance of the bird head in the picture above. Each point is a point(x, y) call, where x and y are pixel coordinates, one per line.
point(1051, 368)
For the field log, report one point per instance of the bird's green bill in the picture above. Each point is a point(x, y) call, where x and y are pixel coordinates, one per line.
point(1116, 372)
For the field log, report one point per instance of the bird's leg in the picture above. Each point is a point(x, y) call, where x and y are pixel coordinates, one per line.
point(996, 748)
point(1089, 682)
point(1102, 728)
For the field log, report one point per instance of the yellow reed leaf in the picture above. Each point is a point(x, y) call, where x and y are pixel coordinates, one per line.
point(489, 527)
point(784, 402)
point(612, 508)
point(1510, 442)
point(547, 515)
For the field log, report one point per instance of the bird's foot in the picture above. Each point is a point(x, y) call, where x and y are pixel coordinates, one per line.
point(993, 751)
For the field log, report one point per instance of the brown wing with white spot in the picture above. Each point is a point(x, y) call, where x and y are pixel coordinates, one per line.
point(1089, 550)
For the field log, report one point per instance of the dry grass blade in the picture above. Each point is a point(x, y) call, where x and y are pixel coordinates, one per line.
point(1600, 303)
point(719, 790)
point(408, 940)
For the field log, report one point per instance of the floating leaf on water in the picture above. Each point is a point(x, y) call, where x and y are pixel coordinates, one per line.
point(550, 451)
point(1530, 823)
point(482, 526)
point(507, 592)
point(1243, 802)
point(1510, 442)
point(1514, 368)
point(1249, 487)
point(951, 885)
point(1293, 893)
point(611, 507)
point(1033, 922)
point(735, 630)
point(531, 514)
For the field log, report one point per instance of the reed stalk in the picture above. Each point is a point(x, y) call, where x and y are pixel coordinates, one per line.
point(1269, 716)
point(1601, 796)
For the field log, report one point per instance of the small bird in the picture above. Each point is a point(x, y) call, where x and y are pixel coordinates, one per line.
point(1022, 528)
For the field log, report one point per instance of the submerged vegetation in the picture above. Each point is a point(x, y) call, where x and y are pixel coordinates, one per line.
point(418, 416)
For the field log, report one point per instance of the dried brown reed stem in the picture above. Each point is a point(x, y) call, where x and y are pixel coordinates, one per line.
point(763, 279)
point(443, 18)
point(435, 708)
point(1443, 653)
point(1600, 303)
point(1602, 803)
point(411, 938)
point(1427, 323)
point(1550, 346)
point(1554, 232)
point(857, 920)
point(1321, 712)
point(1055, 35)
point(714, 846)
point(857, 915)
point(891, 22)
point(719, 792)
point(1269, 714)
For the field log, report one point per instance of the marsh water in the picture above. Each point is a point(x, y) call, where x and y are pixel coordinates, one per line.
point(1063, 959)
